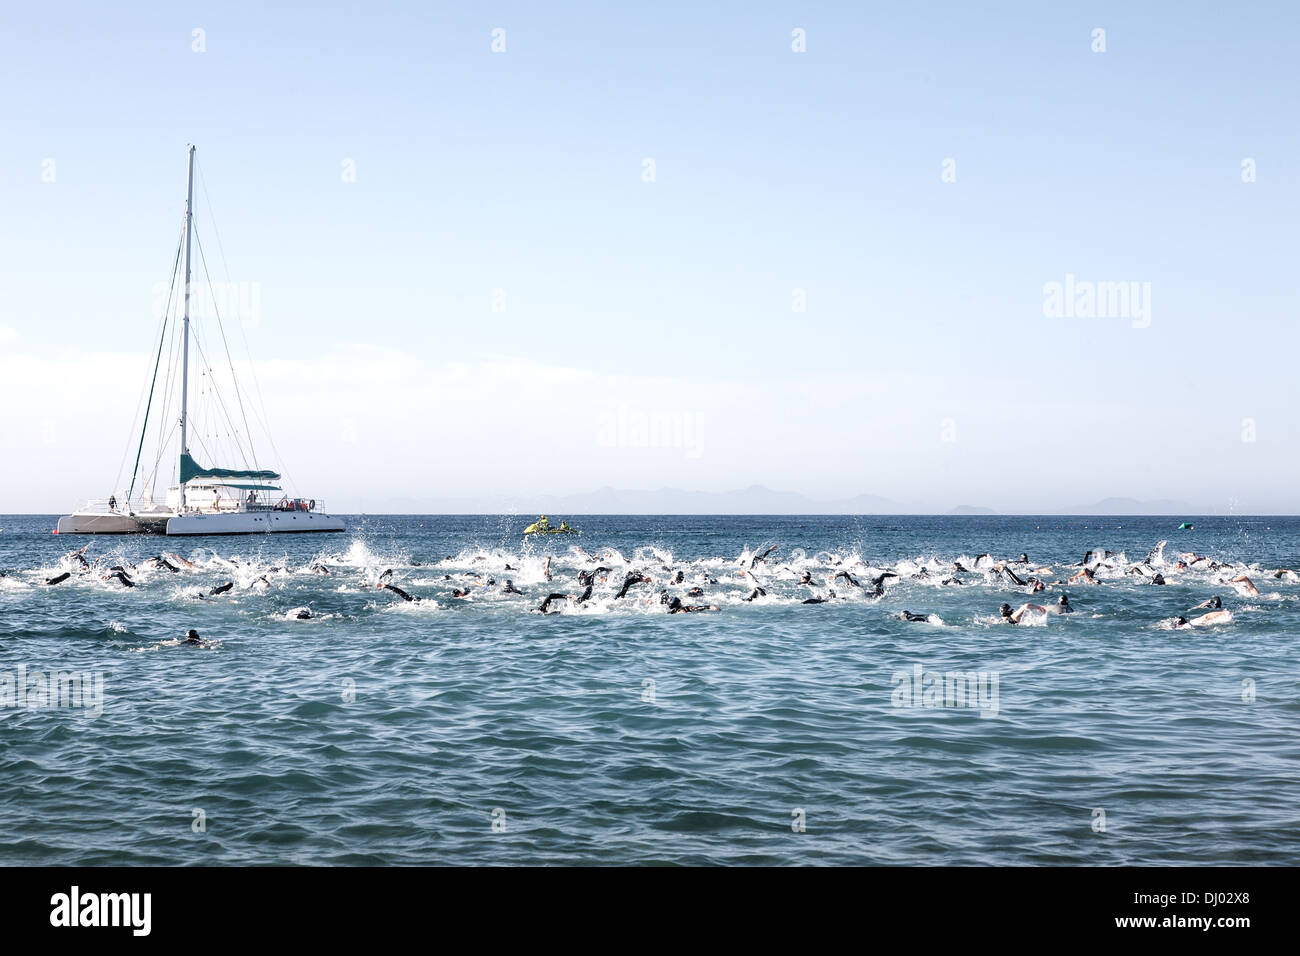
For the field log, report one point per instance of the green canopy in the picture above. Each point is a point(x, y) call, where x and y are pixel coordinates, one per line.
point(190, 470)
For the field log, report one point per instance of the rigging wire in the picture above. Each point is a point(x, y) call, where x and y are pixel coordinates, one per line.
point(261, 415)
point(220, 402)
point(144, 427)
point(221, 327)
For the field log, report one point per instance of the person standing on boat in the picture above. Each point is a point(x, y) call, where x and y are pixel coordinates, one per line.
point(112, 502)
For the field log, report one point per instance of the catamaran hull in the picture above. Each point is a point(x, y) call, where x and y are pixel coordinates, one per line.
point(112, 523)
point(254, 522)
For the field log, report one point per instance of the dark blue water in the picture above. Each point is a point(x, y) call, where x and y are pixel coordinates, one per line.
point(475, 730)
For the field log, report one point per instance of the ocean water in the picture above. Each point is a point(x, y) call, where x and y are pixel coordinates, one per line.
point(477, 730)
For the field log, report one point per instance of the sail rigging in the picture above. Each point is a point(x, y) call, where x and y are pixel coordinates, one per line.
point(220, 487)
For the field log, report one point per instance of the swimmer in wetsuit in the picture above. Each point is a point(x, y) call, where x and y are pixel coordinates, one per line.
point(675, 606)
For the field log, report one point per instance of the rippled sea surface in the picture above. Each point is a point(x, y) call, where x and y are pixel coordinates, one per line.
point(477, 730)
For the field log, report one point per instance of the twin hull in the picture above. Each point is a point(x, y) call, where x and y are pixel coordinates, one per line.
point(240, 522)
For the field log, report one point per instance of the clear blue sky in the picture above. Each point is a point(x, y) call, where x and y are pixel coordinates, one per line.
point(381, 359)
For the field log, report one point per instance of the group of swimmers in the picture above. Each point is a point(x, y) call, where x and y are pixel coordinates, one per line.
point(854, 576)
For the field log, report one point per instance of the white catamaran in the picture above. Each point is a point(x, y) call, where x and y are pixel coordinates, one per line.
point(204, 500)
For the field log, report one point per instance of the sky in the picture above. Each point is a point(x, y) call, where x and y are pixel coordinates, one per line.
point(493, 251)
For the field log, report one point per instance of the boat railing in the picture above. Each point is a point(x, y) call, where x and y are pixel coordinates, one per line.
point(121, 506)
point(298, 504)
point(229, 504)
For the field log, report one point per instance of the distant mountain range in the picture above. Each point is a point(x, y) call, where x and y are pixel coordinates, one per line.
point(756, 499)
point(1132, 506)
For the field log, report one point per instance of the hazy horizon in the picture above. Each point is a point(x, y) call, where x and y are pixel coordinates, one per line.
point(754, 501)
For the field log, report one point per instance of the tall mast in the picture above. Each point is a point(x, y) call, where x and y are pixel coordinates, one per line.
point(185, 360)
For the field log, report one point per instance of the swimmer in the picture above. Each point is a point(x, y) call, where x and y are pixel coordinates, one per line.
point(1205, 620)
point(193, 639)
point(1014, 617)
point(510, 588)
point(1063, 605)
point(909, 616)
point(1157, 579)
point(675, 606)
point(121, 578)
point(586, 577)
point(878, 584)
point(545, 607)
point(399, 592)
point(755, 594)
point(222, 588)
point(1012, 575)
point(58, 578)
point(1082, 577)
point(830, 596)
point(1247, 585)
point(807, 578)
point(633, 577)
point(1213, 602)
point(761, 558)
point(546, 571)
